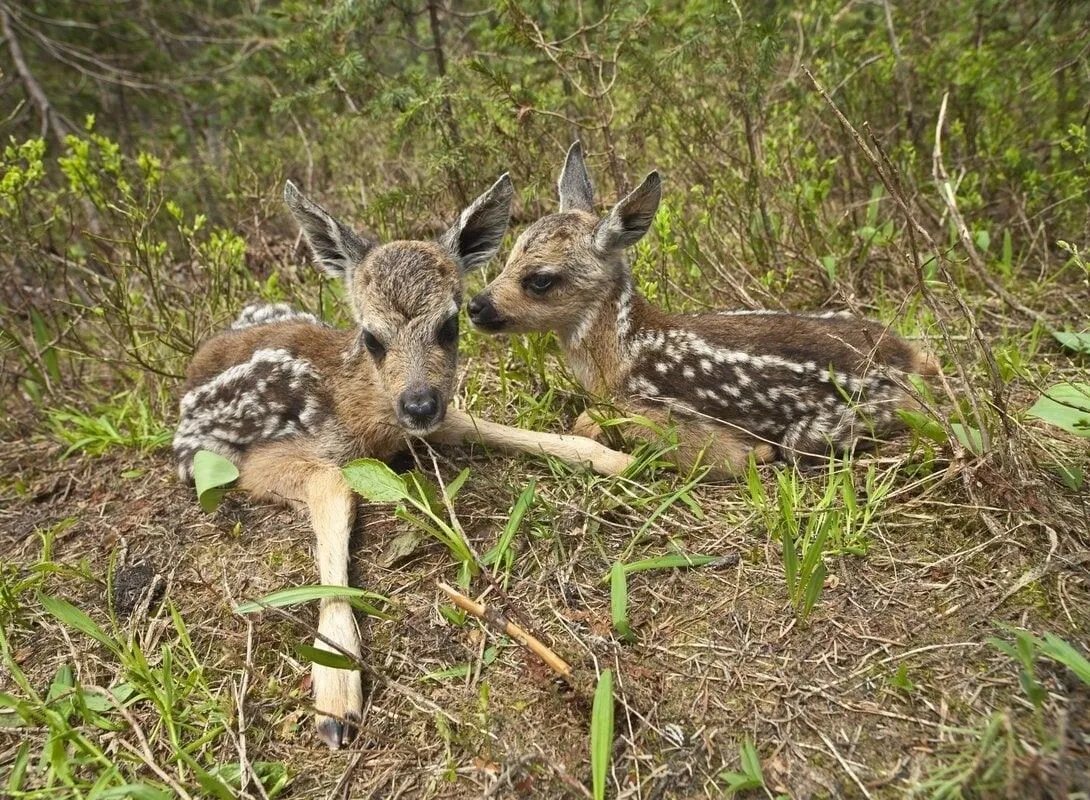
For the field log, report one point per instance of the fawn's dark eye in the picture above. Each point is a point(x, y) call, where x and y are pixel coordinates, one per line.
point(539, 282)
point(376, 348)
point(448, 332)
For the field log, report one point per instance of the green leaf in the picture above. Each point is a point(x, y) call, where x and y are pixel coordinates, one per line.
point(326, 658)
point(737, 782)
point(1078, 342)
point(455, 485)
point(618, 602)
point(1073, 477)
point(522, 505)
point(1065, 405)
point(18, 768)
point(212, 474)
point(671, 561)
point(71, 616)
point(375, 481)
point(601, 734)
point(135, 791)
point(969, 437)
point(460, 670)
point(304, 594)
point(813, 589)
point(751, 763)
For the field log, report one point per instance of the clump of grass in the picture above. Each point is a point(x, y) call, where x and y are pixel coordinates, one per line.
point(813, 521)
point(126, 421)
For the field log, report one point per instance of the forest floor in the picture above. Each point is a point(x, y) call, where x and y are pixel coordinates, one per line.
point(890, 686)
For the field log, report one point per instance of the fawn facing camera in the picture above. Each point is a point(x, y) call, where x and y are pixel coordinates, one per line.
point(288, 399)
point(734, 383)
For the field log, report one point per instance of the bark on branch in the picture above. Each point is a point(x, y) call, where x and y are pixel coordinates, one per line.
point(51, 121)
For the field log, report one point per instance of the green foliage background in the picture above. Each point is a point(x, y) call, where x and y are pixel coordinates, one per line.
point(152, 176)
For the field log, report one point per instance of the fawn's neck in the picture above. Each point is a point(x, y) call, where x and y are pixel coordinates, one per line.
point(598, 348)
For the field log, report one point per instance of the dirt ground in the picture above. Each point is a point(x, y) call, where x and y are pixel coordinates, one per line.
point(890, 681)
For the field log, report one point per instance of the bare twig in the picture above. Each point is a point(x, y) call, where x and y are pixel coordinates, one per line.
point(501, 624)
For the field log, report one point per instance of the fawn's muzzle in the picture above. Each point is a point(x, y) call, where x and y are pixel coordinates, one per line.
point(483, 314)
point(420, 408)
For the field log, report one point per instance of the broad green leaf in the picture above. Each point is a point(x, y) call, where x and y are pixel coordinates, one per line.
point(326, 658)
point(618, 601)
point(1065, 405)
point(18, 768)
point(374, 481)
point(601, 734)
point(212, 475)
point(813, 589)
point(737, 782)
point(1059, 650)
point(304, 594)
point(73, 617)
point(1077, 342)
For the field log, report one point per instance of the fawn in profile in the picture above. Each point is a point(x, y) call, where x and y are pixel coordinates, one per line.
point(735, 384)
point(288, 399)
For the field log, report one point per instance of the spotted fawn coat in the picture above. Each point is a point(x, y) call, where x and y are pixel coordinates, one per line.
point(288, 399)
point(734, 383)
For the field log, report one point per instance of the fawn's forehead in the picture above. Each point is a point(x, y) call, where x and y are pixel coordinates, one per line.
point(403, 281)
point(552, 238)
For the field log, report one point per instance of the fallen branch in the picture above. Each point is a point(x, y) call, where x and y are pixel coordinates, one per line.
point(501, 624)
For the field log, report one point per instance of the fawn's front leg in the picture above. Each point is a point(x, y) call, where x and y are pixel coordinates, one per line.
point(286, 471)
point(461, 428)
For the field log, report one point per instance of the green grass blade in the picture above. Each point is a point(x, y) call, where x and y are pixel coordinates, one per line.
point(671, 561)
point(751, 763)
point(455, 485)
point(814, 585)
point(514, 520)
point(618, 602)
point(1060, 650)
point(601, 734)
point(304, 594)
point(326, 658)
point(73, 617)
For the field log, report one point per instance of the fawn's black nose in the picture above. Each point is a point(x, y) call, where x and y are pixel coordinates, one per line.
point(483, 314)
point(419, 407)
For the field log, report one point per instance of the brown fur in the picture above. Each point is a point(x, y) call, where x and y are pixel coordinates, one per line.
point(289, 399)
point(732, 383)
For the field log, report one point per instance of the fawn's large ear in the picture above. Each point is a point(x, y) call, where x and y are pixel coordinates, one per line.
point(336, 247)
point(477, 234)
point(575, 189)
point(630, 218)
